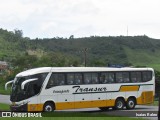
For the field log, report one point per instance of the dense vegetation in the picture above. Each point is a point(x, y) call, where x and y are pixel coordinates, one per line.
point(137, 50)
point(23, 53)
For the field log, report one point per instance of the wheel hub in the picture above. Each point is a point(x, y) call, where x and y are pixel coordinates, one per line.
point(48, 108)
point(119, 104)
point(131, 104)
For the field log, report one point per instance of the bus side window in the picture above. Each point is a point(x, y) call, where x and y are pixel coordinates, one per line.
point(110, 77)
point(70, 79)
point(56, 79)
point(95, 78)
point(53, 81)
point(87, 78)
point(78, 78)
point(122, 77)
point(61, 79)
point(147, 76)
point(135, 77)
point(126, 77)
point(119, 77)
point(139, 76)
point(107, 78)
point(104, 78)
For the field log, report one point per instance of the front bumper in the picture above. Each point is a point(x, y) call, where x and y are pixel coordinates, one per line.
point(19, 108)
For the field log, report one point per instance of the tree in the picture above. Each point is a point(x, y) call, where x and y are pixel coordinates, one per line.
point(18, 33)
point(71, 37)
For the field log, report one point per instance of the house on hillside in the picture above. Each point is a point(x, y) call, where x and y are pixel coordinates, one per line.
point(3, 66)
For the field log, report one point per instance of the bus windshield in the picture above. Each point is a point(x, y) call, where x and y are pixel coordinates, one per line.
point(31, 88)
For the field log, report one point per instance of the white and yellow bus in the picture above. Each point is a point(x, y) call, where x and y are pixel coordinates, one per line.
point(59, 88)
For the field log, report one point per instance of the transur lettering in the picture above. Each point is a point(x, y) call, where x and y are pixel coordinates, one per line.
point(95, 89)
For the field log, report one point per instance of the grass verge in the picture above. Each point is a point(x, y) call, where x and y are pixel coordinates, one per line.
point(4, 107)
point(3, 91)
point(155, 103)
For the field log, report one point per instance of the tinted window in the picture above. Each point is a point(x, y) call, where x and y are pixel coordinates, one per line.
point(147, 76)
point(107, 78)
point(95, 78)
point(70, 79)
point(91, 78)
point(136, 77)
point(56, 79)
point(30, 89)
point(126, 77)
point(122, 77)
point(87, 78)
point(74, 78)
point(78, 78)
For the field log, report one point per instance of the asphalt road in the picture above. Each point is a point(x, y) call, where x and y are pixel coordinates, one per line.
point(4, 99)
point(139, 110)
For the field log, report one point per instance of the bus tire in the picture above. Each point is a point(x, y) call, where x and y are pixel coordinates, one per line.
point(131, 103)
point(119, 104)
point(104, 108)
point(48, 107)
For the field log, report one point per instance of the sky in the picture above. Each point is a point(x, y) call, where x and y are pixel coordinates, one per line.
point(81, 18)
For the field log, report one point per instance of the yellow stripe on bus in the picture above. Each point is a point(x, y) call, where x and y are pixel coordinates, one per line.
point(145, 98)
point(84, 104)
point(35, 107)
point(73, 105)
point(129, 88)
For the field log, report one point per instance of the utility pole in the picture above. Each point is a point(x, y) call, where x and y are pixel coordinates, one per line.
point(85, 56)
point(127, 30)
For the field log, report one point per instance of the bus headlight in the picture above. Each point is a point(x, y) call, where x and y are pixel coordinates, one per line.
point(23, 103)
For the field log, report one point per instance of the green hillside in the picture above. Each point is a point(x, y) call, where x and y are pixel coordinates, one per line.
point(11, 44)
point(137, 50)
point(128, 50)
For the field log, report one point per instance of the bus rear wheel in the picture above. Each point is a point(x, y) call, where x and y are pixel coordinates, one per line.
point(119, 104)
point(48, 107)
point(131, 102)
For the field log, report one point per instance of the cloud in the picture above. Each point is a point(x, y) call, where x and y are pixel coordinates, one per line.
point(50, 18)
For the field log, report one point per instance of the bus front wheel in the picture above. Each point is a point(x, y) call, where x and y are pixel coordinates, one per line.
point(131, 102)
point(48, 107)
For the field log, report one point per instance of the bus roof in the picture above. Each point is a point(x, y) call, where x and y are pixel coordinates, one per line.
point(77, 69)
point(95, 69)
point(34, 71)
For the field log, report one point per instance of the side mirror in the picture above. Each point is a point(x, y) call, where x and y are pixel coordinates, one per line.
point(9, 82)
point(27, 81)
